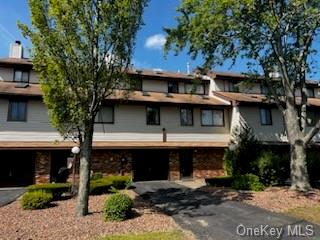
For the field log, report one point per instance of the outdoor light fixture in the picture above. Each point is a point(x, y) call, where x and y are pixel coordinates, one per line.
point(75, 150)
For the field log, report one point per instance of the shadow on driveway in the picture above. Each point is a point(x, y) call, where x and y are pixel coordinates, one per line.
point(211, 216)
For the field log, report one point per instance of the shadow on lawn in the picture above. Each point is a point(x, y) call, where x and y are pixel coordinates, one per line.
point(189, 202)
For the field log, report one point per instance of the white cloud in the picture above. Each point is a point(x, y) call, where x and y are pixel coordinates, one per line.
point(156, 41)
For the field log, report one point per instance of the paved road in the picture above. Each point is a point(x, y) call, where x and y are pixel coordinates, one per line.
point(8, 195)
point(211, 218)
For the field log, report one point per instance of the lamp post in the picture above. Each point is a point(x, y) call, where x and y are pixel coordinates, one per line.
point(75, 150)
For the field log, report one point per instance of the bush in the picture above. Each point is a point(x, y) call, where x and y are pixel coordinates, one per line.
point(36, 200)
point(247, 148)
point(247, 181)
point(96, 176)
point(118, 207)
point(56, 189)
point(224, 181)
point(108, 184)
point(100, 186)
point(313, 163)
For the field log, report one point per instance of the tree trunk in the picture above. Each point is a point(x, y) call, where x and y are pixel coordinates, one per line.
point(85, 167)
point(298, 167)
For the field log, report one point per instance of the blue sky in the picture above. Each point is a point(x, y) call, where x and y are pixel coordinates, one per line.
point(148, 52)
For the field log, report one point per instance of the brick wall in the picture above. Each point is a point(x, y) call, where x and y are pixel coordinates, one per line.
point(42, 167)
point(174, 165)
point(112, 162)
point(208, 163)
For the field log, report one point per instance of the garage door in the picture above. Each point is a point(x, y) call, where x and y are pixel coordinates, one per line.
point(150, 165)
point(16, 168)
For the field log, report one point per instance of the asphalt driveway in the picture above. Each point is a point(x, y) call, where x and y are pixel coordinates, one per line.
point(210, 217)
point(8, 195)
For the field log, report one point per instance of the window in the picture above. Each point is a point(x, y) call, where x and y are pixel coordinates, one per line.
point(105, 115)
point(265, 116)
point(186, 116)
point(310, 92)
point(194, 88)
point(17, 111)
point(173, 87)
point(21, 75)
point(312, 117)
point(136, 83)
point(230, 86)
point(264, 89)
point(153, 116)
point(210, 117)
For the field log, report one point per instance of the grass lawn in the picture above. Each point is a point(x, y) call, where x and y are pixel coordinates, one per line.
point(174, 235)
point(311, 214)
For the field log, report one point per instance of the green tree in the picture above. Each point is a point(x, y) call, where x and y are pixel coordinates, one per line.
point(81, 49)
point(272, 34)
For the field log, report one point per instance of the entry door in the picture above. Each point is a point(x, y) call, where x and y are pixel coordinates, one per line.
point(186, 163)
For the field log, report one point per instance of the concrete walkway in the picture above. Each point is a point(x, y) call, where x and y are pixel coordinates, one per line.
point(210, 217)
point(8, 195)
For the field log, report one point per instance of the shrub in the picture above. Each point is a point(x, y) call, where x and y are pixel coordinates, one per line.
point(109, 184)
point(313, 163)
point(247, 181)
point(96, 176)
point(224, 181)
point(238, 161)
point(117, 207)
point(120, 182)
point(56, 189)
point(100, 186)
point(36, 200)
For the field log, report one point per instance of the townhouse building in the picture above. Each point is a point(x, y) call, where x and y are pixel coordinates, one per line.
point(169, 126)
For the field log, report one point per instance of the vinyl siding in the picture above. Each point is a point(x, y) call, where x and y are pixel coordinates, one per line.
point(130, 125)
point(6, 74)
point(154, 85)
point(274, 132)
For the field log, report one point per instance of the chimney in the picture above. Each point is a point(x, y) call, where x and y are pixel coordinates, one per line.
point(16, 50)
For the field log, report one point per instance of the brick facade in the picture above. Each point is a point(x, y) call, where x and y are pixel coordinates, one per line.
point(112, 162)
point(42, 167)
point(174, 165)
point(208, 163)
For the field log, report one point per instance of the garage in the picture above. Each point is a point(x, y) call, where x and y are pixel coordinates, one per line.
point(17, 168)
point(150, 165)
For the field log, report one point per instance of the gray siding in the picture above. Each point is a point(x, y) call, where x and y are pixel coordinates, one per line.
point(154, 85)
point(274, 132)
point(130, 125)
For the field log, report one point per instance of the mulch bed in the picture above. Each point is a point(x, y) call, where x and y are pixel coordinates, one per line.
point(276, 199)
point(59, 221)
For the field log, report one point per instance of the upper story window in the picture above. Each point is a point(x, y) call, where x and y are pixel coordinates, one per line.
point(264, 89)
point(186, 116)
point(153, 115)
point(230, 86)
point(265, 116)
point(136, 83)
point(173, 87)
point(194, 88)
point(105, 115)
point(21, 75)
point(310, 92)
point(17, 110)
point(212, 117)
